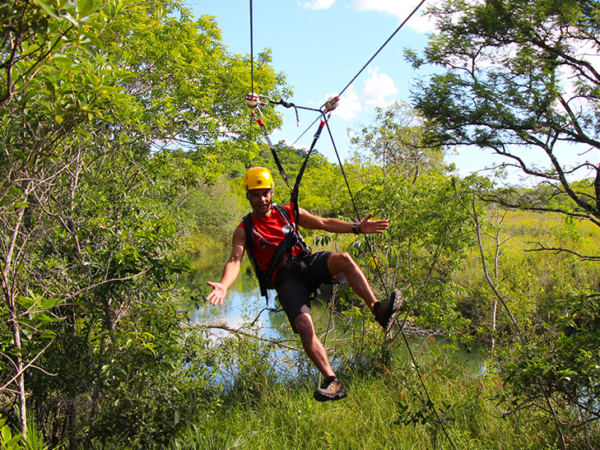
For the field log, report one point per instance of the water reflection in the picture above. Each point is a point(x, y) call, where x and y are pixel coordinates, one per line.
point(244, 305)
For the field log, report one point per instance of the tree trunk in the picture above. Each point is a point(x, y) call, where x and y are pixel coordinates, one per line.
point(10, 294)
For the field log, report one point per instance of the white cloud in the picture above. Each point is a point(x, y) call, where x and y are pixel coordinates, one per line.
point(399, 9)
point(349, 105)
point(291, 144)
point(318, 4)
point(377, 88)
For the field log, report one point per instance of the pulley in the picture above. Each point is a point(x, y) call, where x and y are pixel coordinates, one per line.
point(332, 103)
point(252, 100)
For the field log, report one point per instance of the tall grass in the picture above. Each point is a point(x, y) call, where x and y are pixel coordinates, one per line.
point(383, 411)
point(529, 278)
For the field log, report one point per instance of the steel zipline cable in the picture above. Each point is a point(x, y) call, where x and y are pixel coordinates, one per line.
point(251, 50)
point(404, 337)
point(381, 48)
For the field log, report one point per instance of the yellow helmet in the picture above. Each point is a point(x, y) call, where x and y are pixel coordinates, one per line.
point(258, 178)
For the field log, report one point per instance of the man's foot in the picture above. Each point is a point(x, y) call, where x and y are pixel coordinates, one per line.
point(331, 389)
point(384, 310)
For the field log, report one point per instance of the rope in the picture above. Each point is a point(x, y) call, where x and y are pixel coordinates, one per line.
point(412, 357)
point(251, 51)
point(296, 108)
point(265, 132)
point(305, 131)
point(296, 191)
point(381, 48)
point(356, 210)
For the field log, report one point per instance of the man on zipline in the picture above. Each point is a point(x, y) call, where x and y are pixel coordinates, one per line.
point(296, 273)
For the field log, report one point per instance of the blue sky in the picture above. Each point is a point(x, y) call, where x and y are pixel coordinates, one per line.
point(320, 45)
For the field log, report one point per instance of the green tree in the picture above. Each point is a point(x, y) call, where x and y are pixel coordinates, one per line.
point(518, 76)
point(53, 82)
point(95, 96)
point(187, 89)
point(405, 180)
point(562, 363)
point(396, 140)
point(427, 241)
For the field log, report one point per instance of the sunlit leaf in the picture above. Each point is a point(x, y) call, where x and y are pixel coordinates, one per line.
point(51, 302)
point(84, 7)
point(63, 60)
point(51, 10)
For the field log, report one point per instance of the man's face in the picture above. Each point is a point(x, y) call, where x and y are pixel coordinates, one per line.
point(260, 200)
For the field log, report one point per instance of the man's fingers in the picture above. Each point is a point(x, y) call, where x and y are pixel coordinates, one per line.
point(216, 296)
point(368, 217)
point(214, 299)
point(374, 226)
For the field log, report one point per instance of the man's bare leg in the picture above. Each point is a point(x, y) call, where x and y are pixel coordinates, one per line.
point(312, 345)
point(343, 263)
point(331, 389)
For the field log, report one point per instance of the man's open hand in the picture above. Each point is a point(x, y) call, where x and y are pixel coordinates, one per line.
point(217, 295)
point(368, 226)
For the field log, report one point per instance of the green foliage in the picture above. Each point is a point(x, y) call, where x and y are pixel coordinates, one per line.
point(95, 97)
point(396, 140)
point(119, 119)
point(562, 361)
point(213, 212)
point(513, 81)
point(35, 438)
point(207, 439)
point(363, 351)
point(427, 241)
point(290, 418)
point(530, 280)
point(187, 90)
point(7, 440)
point(247, 370)
point(34, 441)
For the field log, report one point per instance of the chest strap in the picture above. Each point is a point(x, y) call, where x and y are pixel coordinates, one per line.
point(283, 250)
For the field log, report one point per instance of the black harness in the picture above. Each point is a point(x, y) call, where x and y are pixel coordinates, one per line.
point(292, 238)
point(283, 250)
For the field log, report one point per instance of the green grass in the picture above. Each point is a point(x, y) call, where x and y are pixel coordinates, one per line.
point(530, 281)
point(287, 417)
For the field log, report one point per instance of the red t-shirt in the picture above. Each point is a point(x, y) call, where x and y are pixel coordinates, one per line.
point(268, 233)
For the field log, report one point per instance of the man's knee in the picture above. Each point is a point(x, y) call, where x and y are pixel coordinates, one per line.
point(341, 262)
point(304, 325)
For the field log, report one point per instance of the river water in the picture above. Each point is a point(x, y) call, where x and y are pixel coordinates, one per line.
point(244, 305)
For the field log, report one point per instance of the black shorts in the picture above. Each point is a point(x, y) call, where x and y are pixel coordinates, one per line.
point(298, 279)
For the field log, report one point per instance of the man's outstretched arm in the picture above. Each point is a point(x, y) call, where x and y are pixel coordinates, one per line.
point(367, 226)
point(231, 269)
